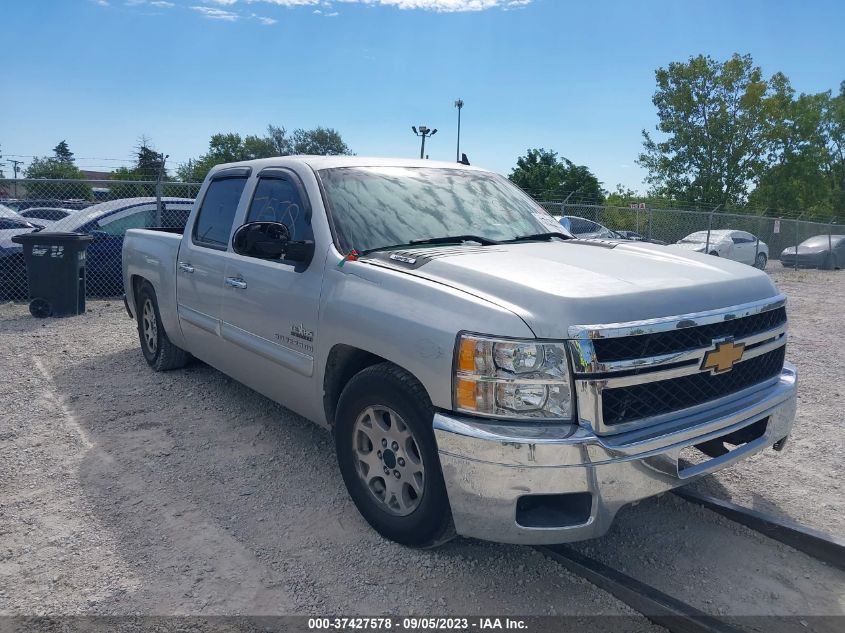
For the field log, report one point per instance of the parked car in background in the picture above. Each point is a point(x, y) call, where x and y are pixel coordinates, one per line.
point(583, 228)
point(46, 216)
point(820, 251)
point(107, 222)
point(739, 246)
point(19, 205)
point(637, 237)
point(12, 270)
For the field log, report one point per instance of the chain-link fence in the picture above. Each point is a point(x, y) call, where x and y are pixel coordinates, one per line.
point(770, 238)
point(104, 209)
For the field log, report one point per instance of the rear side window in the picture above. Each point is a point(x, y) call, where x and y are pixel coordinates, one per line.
point(278, 200)
point(214, 221)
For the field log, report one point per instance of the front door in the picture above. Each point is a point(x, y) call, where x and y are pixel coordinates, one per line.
point(269, 316)
point(201, 266)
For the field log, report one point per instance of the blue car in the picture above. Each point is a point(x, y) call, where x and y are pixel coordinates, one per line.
point(108, 222)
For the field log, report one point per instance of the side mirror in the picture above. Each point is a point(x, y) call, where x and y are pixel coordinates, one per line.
point(270, 240)
point(265, 240)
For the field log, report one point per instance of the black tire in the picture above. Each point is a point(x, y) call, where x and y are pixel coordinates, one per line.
point(760, 261)
point(159, 352)
point(714, 253)
point(386, 385)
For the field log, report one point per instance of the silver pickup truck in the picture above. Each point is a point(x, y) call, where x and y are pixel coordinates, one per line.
point(483, 372)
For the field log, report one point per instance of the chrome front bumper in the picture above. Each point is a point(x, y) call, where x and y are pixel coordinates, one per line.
point(489, 467)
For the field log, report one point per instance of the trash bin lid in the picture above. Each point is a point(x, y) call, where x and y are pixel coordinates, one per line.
point(51, 237)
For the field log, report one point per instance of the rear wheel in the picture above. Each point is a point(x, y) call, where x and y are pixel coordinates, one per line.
point(714, 253)
point(159, 352)
point(388, 456)
point(760, 261)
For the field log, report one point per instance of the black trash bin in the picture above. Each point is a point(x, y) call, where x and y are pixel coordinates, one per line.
point(55, 271)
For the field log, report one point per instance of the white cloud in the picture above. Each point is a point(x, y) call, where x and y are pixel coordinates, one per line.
point(162, 4)
point(440, 6)
point(265, 20)
point(216, 14)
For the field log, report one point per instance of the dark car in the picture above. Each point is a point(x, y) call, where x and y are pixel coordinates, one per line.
point(107, 222)
point(636, 237)
point(820, 251)
point(24, 204)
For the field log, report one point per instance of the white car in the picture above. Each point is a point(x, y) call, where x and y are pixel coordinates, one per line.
point(739, 246)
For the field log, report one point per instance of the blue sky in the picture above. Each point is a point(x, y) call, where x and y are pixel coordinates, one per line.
point(576, 77)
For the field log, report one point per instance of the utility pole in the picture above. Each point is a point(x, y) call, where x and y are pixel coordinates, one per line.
point(423, 132)
point(15, 168)
point(459, 104)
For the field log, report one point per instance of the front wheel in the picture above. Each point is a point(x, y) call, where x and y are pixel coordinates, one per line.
point(760, 261)
point(388, 456)
point(714, 253)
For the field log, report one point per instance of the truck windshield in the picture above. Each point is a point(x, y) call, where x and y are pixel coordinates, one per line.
point(377, 207)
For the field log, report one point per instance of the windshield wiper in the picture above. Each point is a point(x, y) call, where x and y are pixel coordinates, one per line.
point(456, 239)
point(538, 236)
point(451, 239)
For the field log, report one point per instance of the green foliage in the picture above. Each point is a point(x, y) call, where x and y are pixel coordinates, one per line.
point(148, 164)
point(718, 121)
point(62, 152)
point(231, 147)
point(808, 172)
point(730, 137)
point(546, 177)
point(55, 168)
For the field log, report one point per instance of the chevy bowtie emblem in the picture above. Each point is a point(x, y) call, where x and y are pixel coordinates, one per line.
point(722, 358)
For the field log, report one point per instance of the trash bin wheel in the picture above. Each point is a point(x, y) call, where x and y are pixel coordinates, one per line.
point(40, 308)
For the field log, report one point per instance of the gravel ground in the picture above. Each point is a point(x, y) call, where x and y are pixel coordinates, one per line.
point(123, 491)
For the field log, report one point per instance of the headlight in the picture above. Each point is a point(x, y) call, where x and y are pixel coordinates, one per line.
point(511, 379)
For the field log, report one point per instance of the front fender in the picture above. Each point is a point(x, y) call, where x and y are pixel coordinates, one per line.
point(406, 320)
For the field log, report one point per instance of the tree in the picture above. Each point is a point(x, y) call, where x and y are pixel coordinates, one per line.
point(717, 121)
point(54, 168)
point(62, 153)
point(149, 163)
point(546, 177)
point(231, 147)
point(320, 141)
point(808, 169)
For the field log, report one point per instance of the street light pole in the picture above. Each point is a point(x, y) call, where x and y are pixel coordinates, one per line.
point(459, 104)
point(423, 132)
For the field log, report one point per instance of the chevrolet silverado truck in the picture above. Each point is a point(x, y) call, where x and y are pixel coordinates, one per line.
point(482, 371)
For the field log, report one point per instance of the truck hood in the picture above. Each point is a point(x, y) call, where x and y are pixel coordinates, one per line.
point(552, 285)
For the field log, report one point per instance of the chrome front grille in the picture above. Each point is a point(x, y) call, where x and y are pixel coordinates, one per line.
point(629, 375)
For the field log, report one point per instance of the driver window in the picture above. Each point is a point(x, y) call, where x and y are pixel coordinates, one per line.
point(278, 200)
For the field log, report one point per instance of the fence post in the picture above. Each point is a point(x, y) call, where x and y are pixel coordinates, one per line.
point(829, 244)
point(709, 227)
point(650, 218)
point(160, 187)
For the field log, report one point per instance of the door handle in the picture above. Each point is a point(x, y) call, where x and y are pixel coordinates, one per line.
point(236, 282)
point(185, 267)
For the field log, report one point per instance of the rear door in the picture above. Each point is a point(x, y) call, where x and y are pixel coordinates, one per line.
point(201, 265)
point(270, 307)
